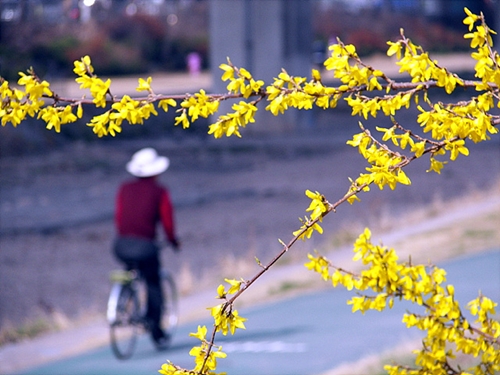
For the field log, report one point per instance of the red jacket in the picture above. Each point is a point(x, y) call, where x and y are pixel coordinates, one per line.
point(140, 205)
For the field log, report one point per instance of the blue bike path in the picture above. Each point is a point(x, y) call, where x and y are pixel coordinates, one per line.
point(308, 334)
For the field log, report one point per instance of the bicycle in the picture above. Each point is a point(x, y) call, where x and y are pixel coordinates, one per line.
point(126, 309)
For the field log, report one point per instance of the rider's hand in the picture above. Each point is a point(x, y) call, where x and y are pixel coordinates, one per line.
point(176, 245)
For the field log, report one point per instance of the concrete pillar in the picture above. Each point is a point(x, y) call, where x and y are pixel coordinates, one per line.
point(263, 36)
point(496, 26)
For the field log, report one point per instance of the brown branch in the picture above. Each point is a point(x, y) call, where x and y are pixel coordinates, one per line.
point(331, 208)
point(286, 247)
point(397, 86)
point(209, 349)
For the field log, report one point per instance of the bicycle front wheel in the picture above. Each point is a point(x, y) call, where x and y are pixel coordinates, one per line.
point(125, 325)
point(170, 313)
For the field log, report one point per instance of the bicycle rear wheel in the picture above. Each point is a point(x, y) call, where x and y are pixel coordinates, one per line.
point(170, 312)
point(125, 324)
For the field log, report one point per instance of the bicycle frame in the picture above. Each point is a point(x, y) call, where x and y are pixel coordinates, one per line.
point(128, 286)
point(120, 278)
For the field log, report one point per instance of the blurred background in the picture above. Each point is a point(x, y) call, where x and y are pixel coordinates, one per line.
point(154, 37)
point(234, 197)
point(158, 35)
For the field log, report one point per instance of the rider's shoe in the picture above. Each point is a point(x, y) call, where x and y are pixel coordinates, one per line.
point(161, 339)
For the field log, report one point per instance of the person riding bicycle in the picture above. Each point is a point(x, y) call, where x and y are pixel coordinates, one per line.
point(141, 204)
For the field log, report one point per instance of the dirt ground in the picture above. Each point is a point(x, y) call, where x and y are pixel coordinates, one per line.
point(234, 200)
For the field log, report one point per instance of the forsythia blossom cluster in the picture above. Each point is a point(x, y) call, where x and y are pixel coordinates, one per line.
point(417, 63)
point(230, 123)
point(99, 89)
point(17, 104)
point(449, 332)
point(240, 82)
point(319, 206)
point(354, 75)
point(126, 109)
point(384, 169)
point(296, 92)
point(226, 320)
point(195, 106)
point(452, 124)
point(205, 357)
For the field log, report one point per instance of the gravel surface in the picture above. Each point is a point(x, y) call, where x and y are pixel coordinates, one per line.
point(234, 199)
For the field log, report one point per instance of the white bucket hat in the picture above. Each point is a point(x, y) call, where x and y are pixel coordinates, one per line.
point(147, 163)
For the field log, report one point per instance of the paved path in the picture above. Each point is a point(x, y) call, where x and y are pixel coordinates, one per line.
point(309, 334)
point(71, 342)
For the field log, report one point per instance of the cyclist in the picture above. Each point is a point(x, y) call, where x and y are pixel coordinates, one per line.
point(141, 204)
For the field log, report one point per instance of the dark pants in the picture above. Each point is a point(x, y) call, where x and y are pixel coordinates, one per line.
point(143, 255)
